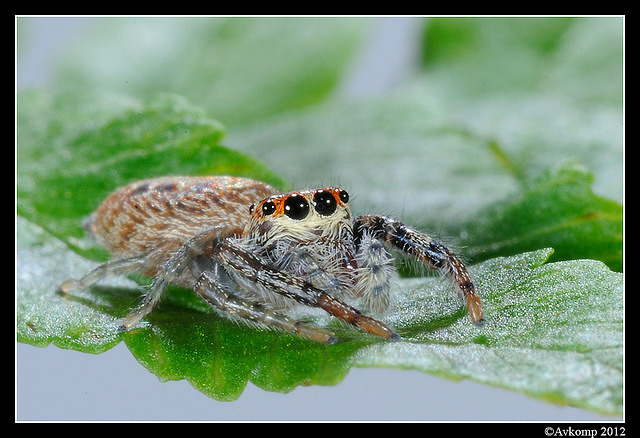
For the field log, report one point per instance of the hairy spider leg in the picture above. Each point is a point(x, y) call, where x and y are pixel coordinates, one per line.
point(214, 291)
point(233, 256)
point(168, 272)
point(427, 250)
point(300, 262)
point(375, 273)
point(124, 266)
point(113, 267)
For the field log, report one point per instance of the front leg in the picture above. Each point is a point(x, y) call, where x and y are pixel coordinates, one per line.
point(236, 259)
point(214, 291)
point(425, 249)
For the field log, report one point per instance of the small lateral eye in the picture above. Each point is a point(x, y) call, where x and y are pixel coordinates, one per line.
point(344, 196)
point(324, 202)
point(296, 207)
point(268, 208)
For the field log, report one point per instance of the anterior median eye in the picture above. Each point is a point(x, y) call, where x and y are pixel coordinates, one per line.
point(324, 202)
point(296, 207)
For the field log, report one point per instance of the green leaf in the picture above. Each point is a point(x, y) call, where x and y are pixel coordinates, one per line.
point(73, 150)
point(84, 323)
point(559, 210)
point(553, 331)
point(239, 69)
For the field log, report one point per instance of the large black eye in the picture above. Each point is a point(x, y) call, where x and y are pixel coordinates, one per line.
point(344, 196)
point(324, 202)
point(268, 208)
point(296, 207)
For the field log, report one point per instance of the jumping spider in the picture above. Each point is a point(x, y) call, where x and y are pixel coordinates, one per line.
point(252, 253)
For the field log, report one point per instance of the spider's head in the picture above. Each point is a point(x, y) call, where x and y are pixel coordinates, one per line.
point(303, 216)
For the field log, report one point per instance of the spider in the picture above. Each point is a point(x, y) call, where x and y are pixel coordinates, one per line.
point(252, 253)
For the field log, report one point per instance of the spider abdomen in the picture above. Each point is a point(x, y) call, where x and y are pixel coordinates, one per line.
point(165, 212)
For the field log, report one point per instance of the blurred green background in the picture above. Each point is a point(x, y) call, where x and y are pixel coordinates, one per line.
point(461, 133)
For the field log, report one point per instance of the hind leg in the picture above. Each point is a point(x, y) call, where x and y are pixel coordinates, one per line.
point(114, 267)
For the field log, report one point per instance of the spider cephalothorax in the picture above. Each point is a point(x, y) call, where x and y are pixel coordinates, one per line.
point(253, 253)
point(307, 233)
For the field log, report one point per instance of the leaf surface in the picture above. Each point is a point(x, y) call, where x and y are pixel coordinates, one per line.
point(553, 331)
